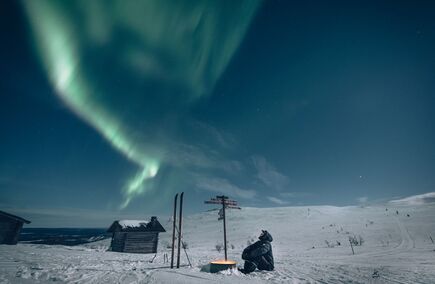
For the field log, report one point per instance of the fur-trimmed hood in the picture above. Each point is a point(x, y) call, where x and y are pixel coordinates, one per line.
point(265, 236)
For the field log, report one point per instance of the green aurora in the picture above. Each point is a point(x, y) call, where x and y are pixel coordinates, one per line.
point(185, 45)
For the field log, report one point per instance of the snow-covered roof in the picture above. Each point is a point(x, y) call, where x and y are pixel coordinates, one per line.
point(132, 223)
point(151, 225)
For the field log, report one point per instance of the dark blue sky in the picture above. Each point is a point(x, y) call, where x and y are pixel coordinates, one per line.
point(323, 102)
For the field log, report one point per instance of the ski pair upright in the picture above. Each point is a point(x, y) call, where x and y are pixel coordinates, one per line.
point(174, 228)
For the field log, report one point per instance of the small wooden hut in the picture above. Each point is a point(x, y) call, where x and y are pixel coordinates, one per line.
point(10, 228)
point(135, 236)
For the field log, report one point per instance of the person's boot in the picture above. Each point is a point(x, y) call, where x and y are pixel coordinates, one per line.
point(248, 267)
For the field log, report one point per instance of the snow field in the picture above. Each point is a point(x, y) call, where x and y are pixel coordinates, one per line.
point(396, 246)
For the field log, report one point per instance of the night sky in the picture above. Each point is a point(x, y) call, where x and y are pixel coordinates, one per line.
point(108, 109)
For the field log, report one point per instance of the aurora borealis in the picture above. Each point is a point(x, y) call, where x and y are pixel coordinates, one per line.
point(111, 107)
point(186, 31)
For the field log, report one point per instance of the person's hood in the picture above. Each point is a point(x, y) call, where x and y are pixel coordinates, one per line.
point(265, 236)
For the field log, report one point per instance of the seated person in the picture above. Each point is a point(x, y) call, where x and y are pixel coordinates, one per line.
point(259, 255)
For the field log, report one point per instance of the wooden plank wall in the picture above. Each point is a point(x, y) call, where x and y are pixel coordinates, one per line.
point(135, 242)
point(9, 231)
point(141, 242)
point(17, 231)
point(118, 241)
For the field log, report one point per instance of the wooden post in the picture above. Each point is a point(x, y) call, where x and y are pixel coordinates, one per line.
point(225, 228)
point(180, 217)
point(351, 246)
point(173, 230)
point(185, 252)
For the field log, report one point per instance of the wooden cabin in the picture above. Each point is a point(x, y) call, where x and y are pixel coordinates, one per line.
point(10, 228)
point(135, 236)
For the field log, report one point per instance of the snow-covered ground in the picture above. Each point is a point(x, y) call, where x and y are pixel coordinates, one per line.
point(398, 247)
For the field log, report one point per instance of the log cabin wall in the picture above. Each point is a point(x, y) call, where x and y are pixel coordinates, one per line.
point(135, 242)
point(141, 242)
point(18, 227)
point(118, 241)
point(9, 230)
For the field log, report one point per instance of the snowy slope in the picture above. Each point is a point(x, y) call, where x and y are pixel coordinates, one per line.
point(395, 245)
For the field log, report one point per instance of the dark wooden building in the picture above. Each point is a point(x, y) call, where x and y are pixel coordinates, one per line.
point(10, 228)
point(135, 236)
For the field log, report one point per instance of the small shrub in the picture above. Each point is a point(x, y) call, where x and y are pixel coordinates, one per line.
point(356, 241)
point(219, 247)
point(353, 240)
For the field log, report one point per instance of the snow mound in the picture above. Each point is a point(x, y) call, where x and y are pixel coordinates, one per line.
point(416, 199)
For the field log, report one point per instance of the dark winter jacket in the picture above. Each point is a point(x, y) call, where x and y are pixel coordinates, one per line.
point(260, 253)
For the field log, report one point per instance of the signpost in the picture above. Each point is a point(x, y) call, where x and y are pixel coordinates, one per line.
point(226, 203)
